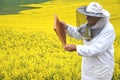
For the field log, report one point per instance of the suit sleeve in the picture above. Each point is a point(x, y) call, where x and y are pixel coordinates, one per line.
point(73, 32)
point(102, 43)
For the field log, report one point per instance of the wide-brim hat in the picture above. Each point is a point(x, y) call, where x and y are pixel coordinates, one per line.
point(93, 9)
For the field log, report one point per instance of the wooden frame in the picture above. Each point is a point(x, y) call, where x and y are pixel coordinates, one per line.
point(60, 31)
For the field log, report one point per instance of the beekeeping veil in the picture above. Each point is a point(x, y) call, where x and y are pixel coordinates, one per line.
point(93, 9)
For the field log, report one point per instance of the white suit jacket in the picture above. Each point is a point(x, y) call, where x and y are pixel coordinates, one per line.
point(98, 53)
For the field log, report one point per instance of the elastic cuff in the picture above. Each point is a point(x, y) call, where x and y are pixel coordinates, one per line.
point(78, 49)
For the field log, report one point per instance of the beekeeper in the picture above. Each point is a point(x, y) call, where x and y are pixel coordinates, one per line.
point(98, 36)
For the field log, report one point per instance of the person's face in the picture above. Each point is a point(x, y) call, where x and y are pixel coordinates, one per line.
point(92, 20)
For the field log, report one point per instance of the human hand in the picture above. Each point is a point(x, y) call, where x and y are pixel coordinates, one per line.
point(70, 47)
point(64, 25)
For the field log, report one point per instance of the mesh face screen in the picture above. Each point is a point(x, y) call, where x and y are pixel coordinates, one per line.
point(80, 19)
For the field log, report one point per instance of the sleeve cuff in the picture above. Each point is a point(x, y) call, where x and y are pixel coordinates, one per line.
point(78, 49)
point(68, 28)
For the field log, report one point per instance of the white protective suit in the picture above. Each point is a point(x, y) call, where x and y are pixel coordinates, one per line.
point(98, 53)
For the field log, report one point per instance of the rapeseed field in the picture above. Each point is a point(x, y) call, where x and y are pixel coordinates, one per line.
point(30, 49)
